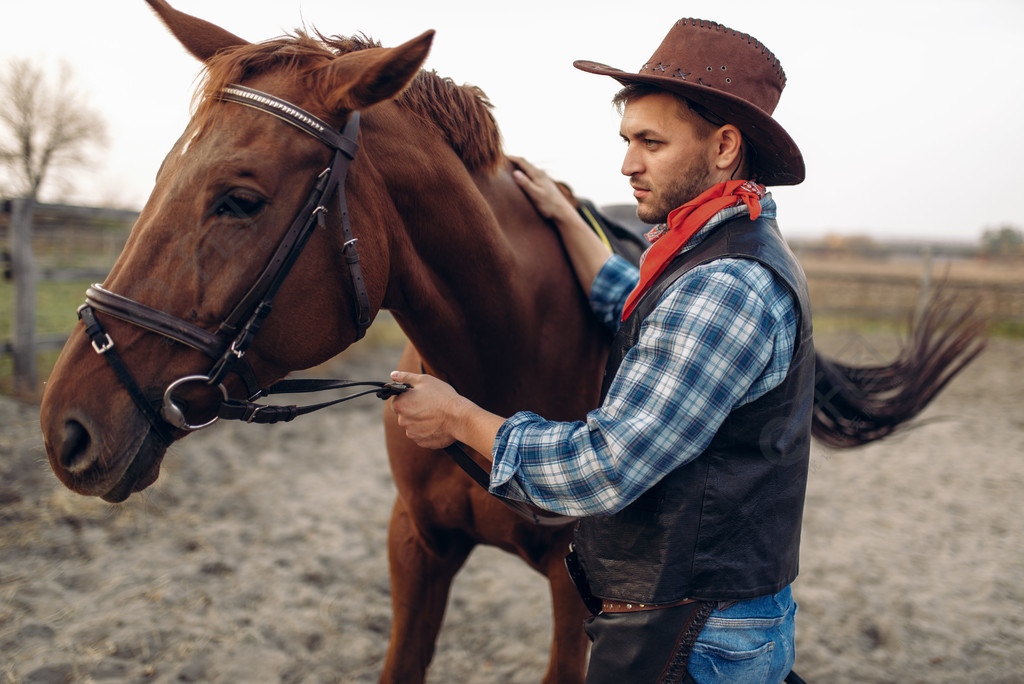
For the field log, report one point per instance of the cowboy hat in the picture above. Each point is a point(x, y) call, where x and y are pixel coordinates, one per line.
point(732, 75)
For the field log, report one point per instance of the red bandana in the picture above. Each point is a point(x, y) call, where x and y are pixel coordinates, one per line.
point(684, 222)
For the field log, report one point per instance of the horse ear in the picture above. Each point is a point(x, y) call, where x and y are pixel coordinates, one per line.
point(363, 78)
point(199, 37)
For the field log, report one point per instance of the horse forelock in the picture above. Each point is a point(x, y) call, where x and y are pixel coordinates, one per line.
point(294, 56)
point(461, 113)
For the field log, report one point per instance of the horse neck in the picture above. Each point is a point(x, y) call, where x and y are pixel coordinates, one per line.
point(482, 287)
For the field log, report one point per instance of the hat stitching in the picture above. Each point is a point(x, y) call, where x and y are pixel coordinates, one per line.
point(751, 40)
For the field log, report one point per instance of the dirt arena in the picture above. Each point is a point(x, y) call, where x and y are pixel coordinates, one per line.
point(259, 555)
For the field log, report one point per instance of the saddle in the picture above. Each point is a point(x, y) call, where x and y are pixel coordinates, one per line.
point(620, 239)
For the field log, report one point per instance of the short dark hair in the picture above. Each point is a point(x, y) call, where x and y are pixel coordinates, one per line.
point(707, 121)
point(634, 91)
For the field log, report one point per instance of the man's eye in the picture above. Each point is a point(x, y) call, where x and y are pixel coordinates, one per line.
point(239, 206)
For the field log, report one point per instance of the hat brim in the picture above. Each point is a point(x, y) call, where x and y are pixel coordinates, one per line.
point(779, 161)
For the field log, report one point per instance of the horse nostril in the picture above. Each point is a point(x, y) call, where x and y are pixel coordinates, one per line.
point(74, 450)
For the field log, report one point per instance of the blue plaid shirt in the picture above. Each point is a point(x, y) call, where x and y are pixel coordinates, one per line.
point(721, 336)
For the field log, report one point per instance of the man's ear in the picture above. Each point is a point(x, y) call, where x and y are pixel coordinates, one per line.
point(728, 151)
point(729, 143)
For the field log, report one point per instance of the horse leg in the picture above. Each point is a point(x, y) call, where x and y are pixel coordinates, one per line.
point(569, 642)
point(423, 559)
point(422, 571)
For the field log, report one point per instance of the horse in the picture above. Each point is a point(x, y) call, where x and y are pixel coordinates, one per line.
point(319, 181)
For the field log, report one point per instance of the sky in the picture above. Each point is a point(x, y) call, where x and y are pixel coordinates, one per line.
point(908, 112)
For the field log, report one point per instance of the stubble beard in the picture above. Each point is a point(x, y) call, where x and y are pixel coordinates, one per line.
point(692, 182)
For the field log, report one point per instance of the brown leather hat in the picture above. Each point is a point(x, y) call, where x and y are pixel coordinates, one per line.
point(731, 74)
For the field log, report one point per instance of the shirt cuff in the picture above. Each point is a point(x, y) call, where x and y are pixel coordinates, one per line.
point(505, 456)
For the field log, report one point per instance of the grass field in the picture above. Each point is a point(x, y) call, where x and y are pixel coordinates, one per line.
point(56, 303)
point(55, 315)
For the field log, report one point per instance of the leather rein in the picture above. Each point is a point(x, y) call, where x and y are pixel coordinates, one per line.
point(235, 334)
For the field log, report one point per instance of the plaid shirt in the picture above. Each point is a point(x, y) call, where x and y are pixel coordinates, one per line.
point(722, 336)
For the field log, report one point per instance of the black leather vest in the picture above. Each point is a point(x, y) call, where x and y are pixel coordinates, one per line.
point(725, 525)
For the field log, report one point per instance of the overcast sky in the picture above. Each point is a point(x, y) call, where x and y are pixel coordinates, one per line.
point(908, 112)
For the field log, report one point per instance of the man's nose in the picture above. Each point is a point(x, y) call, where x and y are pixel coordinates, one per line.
point(631, 162)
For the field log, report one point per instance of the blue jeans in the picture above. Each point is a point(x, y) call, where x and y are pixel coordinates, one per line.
point(747, 641)
point(750, 642)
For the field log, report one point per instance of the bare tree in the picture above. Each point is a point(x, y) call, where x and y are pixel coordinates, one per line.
point(44, 126)
point(47, 125)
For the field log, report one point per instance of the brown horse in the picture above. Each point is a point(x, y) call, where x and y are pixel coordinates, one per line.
point(260, 201)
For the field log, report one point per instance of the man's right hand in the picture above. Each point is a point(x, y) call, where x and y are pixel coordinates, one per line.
point(586, 250)
point(547, 197)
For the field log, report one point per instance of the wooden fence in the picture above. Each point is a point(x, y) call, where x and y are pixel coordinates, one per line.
point(897, 290)
point(51, 242)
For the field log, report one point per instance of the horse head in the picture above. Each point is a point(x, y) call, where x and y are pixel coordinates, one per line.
point(224, 207)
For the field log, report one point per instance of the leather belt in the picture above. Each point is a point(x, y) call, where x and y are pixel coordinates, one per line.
point(608, 606)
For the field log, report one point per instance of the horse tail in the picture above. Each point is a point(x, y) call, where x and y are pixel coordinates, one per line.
point(854, 405)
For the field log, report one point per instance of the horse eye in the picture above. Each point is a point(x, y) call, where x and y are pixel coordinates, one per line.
point(239, 206)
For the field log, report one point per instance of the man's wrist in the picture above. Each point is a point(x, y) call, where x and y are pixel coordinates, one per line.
point(568, 220)
point(474, 426)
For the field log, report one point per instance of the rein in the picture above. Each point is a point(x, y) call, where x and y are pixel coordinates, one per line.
point(482, 477)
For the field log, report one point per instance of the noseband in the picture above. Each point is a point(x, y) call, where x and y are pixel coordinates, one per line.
point(228, 345)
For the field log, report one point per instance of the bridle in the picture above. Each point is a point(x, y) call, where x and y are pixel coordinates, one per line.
point(235, 334)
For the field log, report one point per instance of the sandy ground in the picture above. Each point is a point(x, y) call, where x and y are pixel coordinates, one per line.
point(259, 556)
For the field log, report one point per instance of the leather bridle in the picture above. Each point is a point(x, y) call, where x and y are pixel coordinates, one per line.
point(228, 345)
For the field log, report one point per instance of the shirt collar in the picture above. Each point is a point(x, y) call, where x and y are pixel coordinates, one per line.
point(727, 214)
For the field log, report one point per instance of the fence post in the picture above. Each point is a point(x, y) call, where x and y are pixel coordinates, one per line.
point(24, 274)
point(926, 283)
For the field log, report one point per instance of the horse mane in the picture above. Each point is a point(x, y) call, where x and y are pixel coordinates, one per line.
point(461, 114)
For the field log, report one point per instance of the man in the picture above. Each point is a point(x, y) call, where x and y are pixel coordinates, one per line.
point(689, 478)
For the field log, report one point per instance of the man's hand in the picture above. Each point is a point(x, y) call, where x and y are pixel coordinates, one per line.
point(427, 410)
point(434, 415)
point(547, 197)
point(586, 251)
